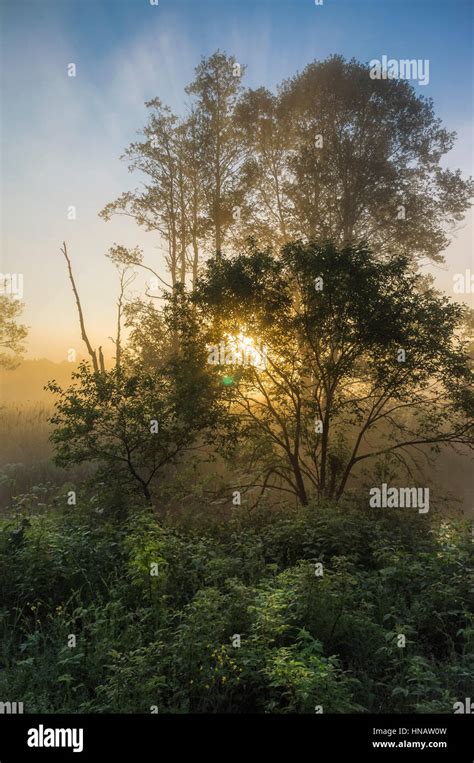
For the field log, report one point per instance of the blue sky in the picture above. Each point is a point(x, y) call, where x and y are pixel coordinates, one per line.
point(62, 137)
point(286, 33)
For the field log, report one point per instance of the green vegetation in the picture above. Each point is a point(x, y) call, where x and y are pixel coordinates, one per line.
point(206, 543)
point(169, 640)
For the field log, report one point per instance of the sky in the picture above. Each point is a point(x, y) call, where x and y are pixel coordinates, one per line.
point(61, 137)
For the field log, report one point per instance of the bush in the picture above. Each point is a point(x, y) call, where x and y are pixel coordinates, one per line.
point(236, 619)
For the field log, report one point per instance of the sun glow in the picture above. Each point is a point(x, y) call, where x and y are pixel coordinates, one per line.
point(239, 350)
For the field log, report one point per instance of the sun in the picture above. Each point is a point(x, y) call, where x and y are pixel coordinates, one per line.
point(240, 340)
point(239, 349)
point(246, 351)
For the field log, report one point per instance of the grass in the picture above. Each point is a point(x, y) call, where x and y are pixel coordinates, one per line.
point(26, 456)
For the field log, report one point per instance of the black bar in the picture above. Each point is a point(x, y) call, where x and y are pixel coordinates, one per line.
point(310, 737)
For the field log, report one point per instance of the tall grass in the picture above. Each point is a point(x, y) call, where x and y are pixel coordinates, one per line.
point(26, 454)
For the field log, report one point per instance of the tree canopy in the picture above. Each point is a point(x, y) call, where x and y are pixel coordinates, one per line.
point(333, 155)
point(12, 333)
point(363, 361)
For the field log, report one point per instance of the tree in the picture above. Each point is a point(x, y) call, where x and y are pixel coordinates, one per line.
point(345, 158)
point(158, 207)
point(363, 360)
point(12, 333)
point(268, 141)
point(96, 356)
point(334, 155)
point(198, 225)
point(216, 88)
point(139, 418)
point(191, 166)
point(122, 258)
